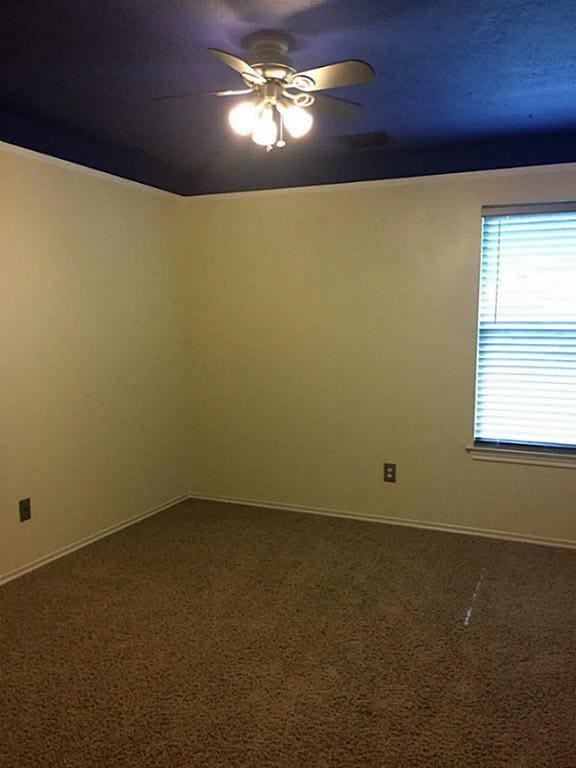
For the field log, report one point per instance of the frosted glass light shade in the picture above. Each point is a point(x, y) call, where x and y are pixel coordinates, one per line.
point(297, 121)
point(265, 131)
point(243, 118)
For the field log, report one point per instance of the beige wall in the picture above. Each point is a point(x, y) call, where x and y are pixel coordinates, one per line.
point(275, 347)
point(334, 329)
point(92, 356)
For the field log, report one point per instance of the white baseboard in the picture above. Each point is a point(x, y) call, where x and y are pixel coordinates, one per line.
point(6, 577)
point(445, 527)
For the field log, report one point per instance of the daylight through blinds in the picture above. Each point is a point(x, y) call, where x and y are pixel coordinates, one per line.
point(526, 367)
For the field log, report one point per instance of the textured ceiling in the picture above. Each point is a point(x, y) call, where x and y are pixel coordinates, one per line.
point(460, 85)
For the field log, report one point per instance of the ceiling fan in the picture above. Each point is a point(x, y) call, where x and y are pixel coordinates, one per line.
point(278, 96)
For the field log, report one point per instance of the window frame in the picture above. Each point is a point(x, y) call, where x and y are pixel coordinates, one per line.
point(506, 451)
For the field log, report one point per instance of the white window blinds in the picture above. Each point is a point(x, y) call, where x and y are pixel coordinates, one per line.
point(526, 366)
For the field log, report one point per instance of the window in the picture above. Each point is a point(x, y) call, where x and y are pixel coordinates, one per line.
point(526, 357)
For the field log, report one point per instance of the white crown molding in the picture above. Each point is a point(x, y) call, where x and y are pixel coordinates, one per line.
point(347, 186)
point(308, 189)
point(32, 154)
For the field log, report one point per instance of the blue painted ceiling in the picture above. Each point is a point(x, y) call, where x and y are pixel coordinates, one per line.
point(460, 85)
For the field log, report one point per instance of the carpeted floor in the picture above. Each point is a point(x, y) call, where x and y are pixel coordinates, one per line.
point(222, 636)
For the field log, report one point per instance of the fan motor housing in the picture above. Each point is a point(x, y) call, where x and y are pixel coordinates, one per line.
point(267, 52)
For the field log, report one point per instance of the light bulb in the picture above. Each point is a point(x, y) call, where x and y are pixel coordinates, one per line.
point(296, 120)
point(243, 117)
point(265, 131)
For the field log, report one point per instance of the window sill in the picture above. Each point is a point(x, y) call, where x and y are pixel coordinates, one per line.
point(515, 456)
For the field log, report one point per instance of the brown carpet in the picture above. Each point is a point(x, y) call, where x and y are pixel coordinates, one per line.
point(220, 636)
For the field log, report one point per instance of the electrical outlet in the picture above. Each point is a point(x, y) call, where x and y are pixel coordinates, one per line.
point(25, 511)
point(389, 473)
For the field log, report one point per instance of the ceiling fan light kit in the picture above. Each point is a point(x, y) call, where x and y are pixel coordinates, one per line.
point(280, 98)
point(268, 114)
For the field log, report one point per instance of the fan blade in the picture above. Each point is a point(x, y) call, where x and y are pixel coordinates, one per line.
point(209, 93)
point(242, 67)
point(334, 108)
point(339, 75)
point(228, 93)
